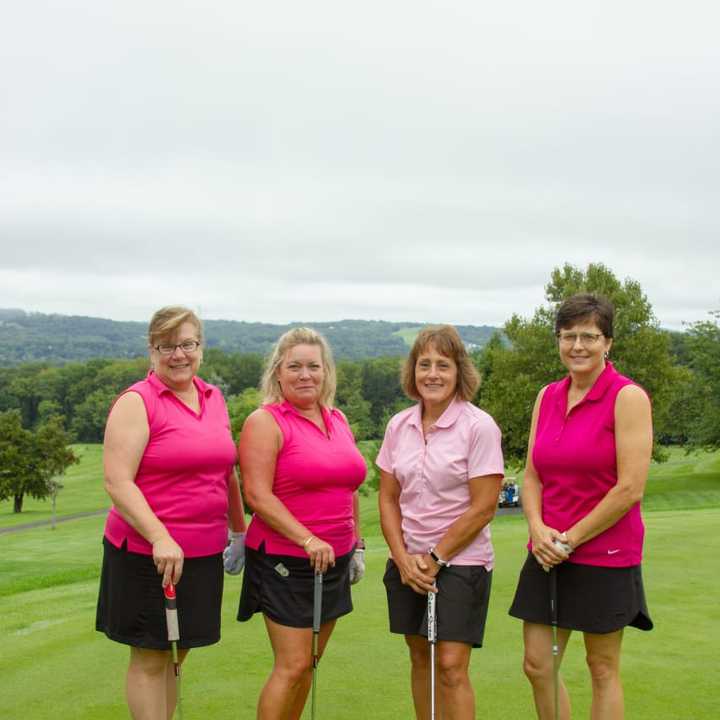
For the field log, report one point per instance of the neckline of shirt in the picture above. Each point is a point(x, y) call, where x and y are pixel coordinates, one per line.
point(595, 393)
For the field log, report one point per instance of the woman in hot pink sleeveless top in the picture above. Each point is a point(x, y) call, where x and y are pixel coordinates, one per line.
point(588, 459)
point(301, 470)
point(169, 462)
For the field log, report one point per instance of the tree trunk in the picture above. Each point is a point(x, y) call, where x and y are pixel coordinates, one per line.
point(17, 506)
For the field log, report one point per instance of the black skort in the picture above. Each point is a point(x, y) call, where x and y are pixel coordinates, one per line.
point(590, 598)
point(461, 607)
point(281, 587)
point(131, 604)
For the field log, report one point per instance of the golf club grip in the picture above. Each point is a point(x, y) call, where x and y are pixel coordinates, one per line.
point(432, 617)
point(171, 616)
point(317, 601)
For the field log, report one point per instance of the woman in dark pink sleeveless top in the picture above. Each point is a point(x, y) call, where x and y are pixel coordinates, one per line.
point(301, 470)
point(588, 459)
point(169, 461)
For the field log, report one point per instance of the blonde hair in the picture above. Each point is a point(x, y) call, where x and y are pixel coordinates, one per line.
point(446, 340)
point(168, 319)
point(269, 385)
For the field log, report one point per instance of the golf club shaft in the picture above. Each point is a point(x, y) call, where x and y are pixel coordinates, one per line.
point(317, 619)
point(432, 640)
point(555, 648)
point(173, 628)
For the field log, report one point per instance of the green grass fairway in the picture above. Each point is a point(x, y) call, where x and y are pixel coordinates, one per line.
point(82, 492)
point(408, 334)
point(54, 665)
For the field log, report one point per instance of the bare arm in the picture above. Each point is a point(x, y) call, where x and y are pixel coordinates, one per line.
point(484, 491)
point(260, 442)
point(633, 447)
point(236, 510)
point(413, 571)
point(356, 516)
point(541, 535)
point(126, 436)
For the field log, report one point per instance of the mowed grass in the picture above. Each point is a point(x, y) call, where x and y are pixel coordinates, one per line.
point(53, 664)
point(408, 334)
point(82, 492)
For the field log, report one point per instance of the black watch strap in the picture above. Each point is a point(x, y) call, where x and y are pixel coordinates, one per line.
point(437, 559)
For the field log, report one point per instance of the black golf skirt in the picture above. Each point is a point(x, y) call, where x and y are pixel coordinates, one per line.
point(461, 606)
point(281, 587)
point(131, 604)
point(590, 598)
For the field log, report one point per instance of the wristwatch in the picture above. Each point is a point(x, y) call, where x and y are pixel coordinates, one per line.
point(442, 563)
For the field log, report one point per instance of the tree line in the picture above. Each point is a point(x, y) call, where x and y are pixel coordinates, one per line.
point(680, 371)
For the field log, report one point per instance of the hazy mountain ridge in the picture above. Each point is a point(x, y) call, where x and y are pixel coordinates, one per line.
point(39, 337)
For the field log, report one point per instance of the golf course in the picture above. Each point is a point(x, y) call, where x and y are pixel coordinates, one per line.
point(53, 664)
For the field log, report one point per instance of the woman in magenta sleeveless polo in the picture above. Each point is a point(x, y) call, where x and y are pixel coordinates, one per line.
point(301, 470)
point(588, 459)
point(169, 464)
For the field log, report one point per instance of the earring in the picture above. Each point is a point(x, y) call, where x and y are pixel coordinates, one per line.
point(606, 355)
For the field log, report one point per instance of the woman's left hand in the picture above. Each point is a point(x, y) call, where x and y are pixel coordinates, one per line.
point(234, 553)
point(549, 546)
point(357, 566)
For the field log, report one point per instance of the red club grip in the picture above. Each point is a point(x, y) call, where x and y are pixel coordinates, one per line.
point(169, 591)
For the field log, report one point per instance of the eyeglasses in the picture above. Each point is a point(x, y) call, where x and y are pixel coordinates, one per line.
point(586, 339)
point(187, 346)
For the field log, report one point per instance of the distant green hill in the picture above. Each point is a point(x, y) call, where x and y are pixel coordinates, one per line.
point(28, 337)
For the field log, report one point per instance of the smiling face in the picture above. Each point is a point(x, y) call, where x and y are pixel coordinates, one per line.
point(177, 369)
point(301, 375)
point(582, 348)
point(435, 378)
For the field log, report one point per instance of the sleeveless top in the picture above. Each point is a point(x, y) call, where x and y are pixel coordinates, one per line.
point(184, 470)
point(575, 458)
point(315, 478)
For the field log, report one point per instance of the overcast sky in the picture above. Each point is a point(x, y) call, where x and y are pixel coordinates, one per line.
point(424, 161)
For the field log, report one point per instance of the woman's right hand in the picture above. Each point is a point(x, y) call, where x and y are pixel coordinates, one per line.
point(415, 573)
point(168, 558)
point(547, 545)
point(321, 554)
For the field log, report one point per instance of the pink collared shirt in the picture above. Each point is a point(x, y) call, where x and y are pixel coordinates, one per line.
point(433, 473)
point(184, 470)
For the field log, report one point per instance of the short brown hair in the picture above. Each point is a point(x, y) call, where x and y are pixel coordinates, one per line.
point(586, 306)
point(168, 319)
point(269, 385)
point(446, 340)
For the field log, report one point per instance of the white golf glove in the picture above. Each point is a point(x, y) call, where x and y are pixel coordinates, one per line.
point(357, 565)
point(234, 553)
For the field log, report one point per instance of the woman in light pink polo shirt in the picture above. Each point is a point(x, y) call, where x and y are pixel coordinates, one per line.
point(169, 463)
point(441, 469)
point(301, 470)
point(588, 458)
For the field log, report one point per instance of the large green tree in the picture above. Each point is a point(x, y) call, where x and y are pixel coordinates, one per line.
point(515, 371)
point(700, 401)
point(30, 462)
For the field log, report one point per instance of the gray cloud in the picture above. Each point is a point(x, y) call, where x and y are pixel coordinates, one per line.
point(316, 161)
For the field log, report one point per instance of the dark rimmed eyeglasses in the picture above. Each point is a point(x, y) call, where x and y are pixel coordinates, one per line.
point(187, 346)
point(586, 339)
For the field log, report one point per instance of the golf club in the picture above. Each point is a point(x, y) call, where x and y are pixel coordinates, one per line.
point(173, 629)
point(555, 649)
point(432, 640)
point(317, 615)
